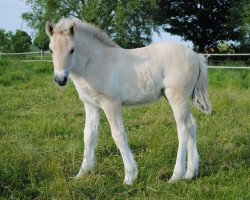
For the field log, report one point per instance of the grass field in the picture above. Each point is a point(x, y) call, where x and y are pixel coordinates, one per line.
point(41, 143)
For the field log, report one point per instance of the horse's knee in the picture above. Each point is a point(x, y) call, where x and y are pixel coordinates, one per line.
point(189, 122)
point(120, 138)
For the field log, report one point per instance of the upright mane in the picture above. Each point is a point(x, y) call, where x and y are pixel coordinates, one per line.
point(89, 29)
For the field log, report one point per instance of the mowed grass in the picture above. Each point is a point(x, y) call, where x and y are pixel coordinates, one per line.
point(41, 147)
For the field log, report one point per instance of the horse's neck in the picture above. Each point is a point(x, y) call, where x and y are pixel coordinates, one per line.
point(87, 46)
point(86, 51)
point(92, 50)
point(94, 57)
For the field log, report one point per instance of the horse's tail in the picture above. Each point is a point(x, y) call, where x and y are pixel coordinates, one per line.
point(200, 92)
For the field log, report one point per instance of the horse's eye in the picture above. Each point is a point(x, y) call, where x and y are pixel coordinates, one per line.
point(72, 51)
point(51, 51)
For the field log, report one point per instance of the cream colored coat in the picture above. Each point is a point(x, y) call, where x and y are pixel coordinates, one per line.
point(107, 76)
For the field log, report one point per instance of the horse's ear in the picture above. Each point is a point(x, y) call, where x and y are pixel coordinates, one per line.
point(72, 29)
point(49, 28)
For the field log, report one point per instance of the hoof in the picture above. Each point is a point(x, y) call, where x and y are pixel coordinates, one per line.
point(190, 174)
point(174, 180)
point(79, 175)
point(128, 182)
point(176, 177)
point(130, 177)
point(82, 172)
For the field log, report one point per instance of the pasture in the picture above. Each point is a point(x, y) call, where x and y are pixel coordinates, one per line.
point(41, 144)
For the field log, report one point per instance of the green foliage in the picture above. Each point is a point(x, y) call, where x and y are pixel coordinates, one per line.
point(21, 41)
point(203, 22)
point(223, 47)
point(128, 22)
point(245, 35)
point(5, 41)
point(41, 142)
point(131, 23)
point(41, 41)
point(18, 42)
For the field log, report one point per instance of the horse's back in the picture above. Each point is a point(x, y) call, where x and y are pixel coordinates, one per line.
point(174, 63)
point(152, 69)
point(179, 65)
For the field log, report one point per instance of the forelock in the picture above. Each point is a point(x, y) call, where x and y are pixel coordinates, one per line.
point(63, 26)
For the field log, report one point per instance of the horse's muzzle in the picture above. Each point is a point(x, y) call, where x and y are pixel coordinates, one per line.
point(61, 80)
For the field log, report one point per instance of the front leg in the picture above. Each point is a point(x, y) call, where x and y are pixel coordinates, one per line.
point(114, 116)
point(90, 138)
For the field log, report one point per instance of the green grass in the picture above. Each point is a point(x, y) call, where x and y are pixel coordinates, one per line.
point(41, 142)
point(226, 62)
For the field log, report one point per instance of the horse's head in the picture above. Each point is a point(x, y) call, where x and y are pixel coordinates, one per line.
point(62, 47)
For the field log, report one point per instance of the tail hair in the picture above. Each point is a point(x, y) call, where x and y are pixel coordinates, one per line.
point(200, 92)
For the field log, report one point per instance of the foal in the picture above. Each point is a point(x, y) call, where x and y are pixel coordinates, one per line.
point(107, 77)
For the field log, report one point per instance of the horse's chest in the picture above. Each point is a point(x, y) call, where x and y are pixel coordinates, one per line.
point(89, 95)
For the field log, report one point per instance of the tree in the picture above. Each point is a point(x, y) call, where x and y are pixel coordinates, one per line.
point(223, 47)
point(21, 41)
point(204, 22)
point(245, 26)
point(41, 41)
point(18, 42)
point(5, 41)
point(130, 23)
point(127, 22)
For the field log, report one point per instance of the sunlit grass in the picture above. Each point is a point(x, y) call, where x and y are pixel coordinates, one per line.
point(41, 142)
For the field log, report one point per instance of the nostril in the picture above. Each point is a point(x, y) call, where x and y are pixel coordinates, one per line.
point(61, 80)
point(65, 79)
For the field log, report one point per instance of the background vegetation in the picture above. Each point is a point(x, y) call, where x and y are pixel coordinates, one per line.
point(207, 24)
point(131, 23)
point(16, 42)
point(41, 142)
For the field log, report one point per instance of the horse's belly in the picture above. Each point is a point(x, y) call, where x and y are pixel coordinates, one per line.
point(139, 100)
point(141, 95)
point(146, 87)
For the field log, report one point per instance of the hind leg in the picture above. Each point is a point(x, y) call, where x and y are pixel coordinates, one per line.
point(193, 156)
point(179, 102)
